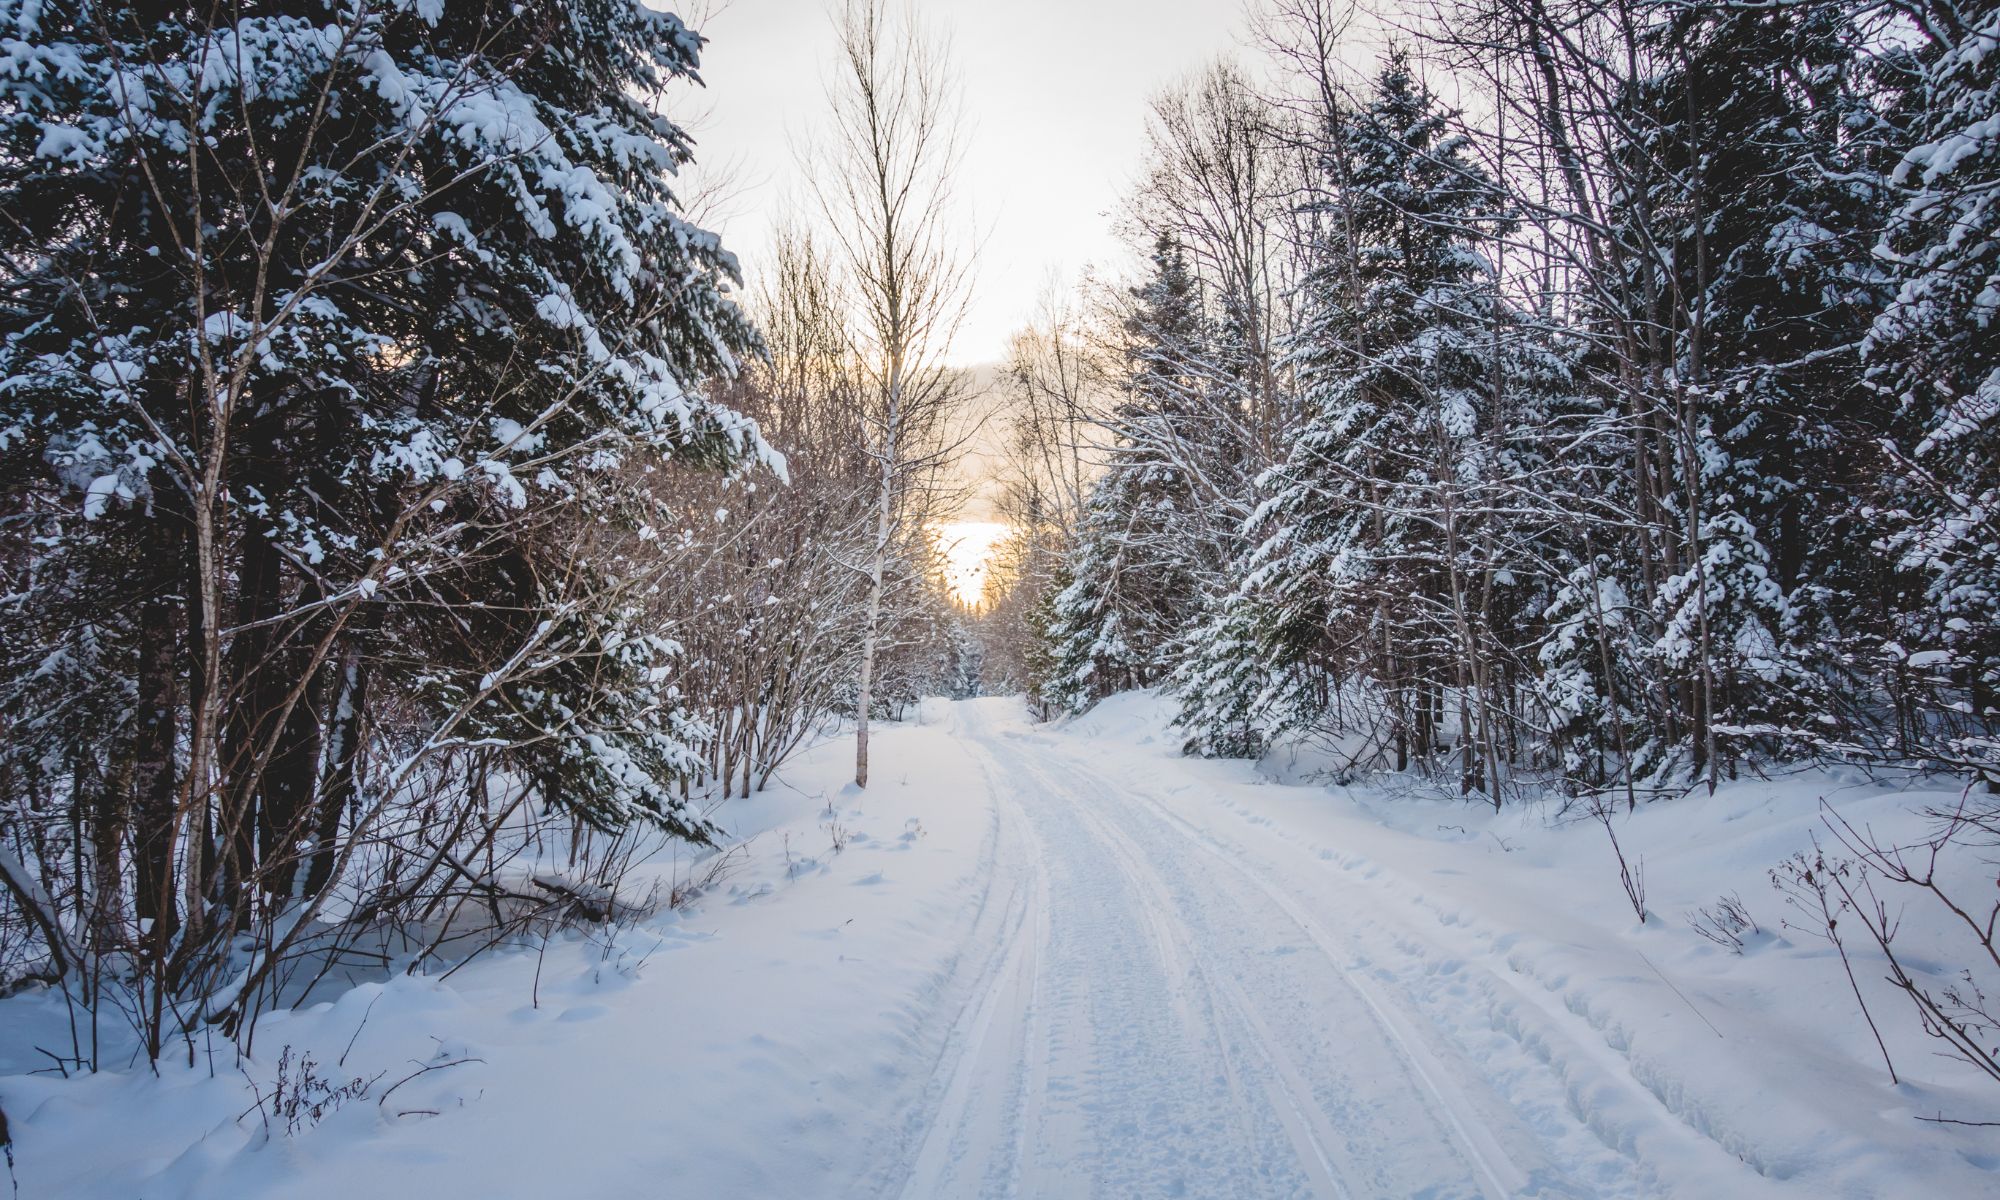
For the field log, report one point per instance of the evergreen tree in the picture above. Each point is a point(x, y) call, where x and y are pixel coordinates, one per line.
point(1139, 562)
point(1762, 182)
point(1935, 352)
point(352, 322)
point(1371, 532)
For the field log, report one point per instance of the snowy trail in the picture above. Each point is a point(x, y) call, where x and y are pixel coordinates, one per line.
point(1063, 962)
point(1165, 1021)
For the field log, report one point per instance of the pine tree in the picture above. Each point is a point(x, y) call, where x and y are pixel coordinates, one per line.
point(1370, 532)
point(1935, 352)
point(1139, 562)
point(355, 320)
point(1762, 185)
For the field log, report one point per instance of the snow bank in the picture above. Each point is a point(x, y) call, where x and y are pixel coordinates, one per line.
point(1134, 718)
point(746, 1046)
point(1764, 1053)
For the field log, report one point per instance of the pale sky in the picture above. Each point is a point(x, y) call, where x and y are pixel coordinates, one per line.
point(1055, 99)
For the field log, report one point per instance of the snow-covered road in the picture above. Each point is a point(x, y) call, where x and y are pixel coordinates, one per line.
point(1054, 962)
point(1159, 1014)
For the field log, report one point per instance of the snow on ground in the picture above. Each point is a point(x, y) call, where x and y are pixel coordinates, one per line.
point(1065, 962)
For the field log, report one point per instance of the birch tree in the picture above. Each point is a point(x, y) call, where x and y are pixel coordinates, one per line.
point(883, 179)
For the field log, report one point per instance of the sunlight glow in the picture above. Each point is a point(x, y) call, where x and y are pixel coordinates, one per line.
point(968, 549)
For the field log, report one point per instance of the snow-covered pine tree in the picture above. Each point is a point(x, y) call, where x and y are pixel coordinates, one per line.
point(1935, 351)
point(1374, 564)
point(1756, 133)
point(1592, 660)
point(350, 315)
point(1140, 559)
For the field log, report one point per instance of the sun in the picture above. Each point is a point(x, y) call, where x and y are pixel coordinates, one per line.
point(968, 550)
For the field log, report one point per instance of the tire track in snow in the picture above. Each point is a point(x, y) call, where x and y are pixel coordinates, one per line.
point(1608, 1096)
point(1131, 1030)
point(1053, 1153)
point(1285, 1080)
point(1495, 1172)
point(1091, 1065)
point(1003, 1006)
point(1289, 1097)
point(1499, 1176)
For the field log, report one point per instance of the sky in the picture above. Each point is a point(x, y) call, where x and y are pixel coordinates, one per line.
point(1055, 95)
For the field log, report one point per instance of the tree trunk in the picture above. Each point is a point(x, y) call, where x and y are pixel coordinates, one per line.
point(866, 694)
point(884, 528)
point(155, 790)
point(256, 690)
point(289, 779)
point(345, 730)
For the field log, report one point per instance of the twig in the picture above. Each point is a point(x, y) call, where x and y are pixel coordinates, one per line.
point(423, 1070)
point(342, 1060)
point(1676, 991)
point(1941, 1119)
point(7, 1146)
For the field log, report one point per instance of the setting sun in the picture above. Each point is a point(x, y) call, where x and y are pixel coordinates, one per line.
point(968, 549)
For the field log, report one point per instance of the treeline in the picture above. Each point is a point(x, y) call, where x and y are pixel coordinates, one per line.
point(404, 525)
point(1630, 418)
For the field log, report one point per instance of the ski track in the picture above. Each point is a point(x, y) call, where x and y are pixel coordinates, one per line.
point(1145, 1007)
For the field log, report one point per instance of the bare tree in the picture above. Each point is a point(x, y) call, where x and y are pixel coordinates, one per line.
point(1055, 390)
point(1224, 186)
point(883, 181)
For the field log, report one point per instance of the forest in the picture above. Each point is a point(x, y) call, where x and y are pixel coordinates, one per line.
point(414, 517)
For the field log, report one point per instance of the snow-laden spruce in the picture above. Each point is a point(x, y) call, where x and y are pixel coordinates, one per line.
point(1381, 545)
point(1935, 349)
point(340, 337)
point(1155, 529)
